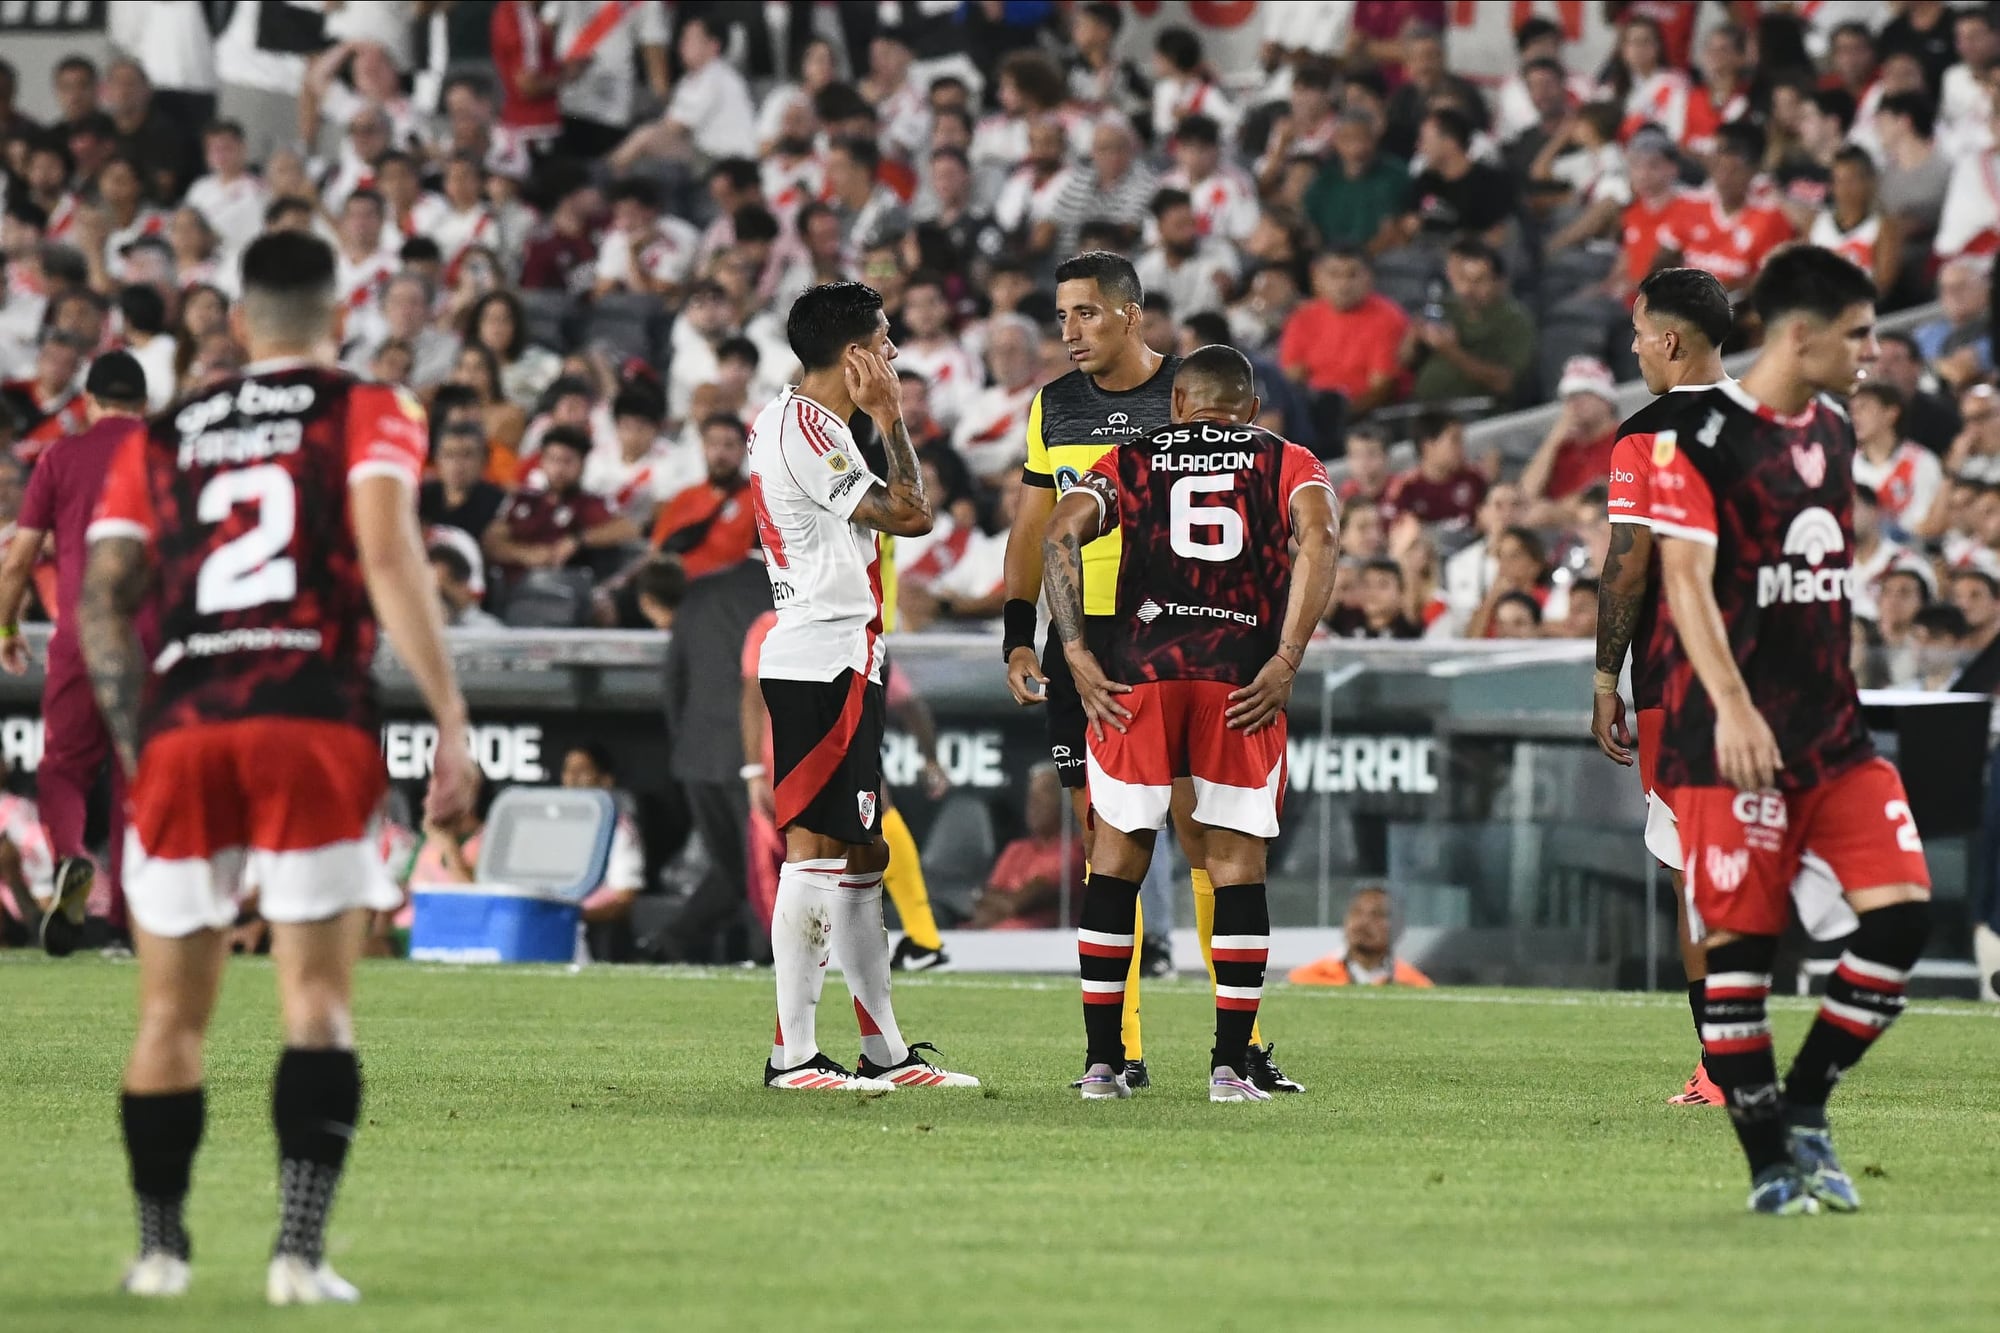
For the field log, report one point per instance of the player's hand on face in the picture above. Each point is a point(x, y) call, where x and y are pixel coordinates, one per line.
point(1023, 667)
point(1252, 708)
point(1607, 724)
point(871, 384)
point(1746, 751)
point(454, 779)
point(1099, 694)
point(15, 659)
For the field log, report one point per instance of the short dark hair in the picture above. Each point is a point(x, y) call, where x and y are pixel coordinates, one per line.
point(740, 172)
point(566, 437)
point(367, 194)
point(1316, 73)
point(421, 250)
point(1106, 14)
point(866, 152)
point(1199, 129)
point(1219, 373)
point(1471, 247)
point(642, 403)
point(739, 347)
point(1181, 48)
point(1383, 564)
point(227, 129)
point(1838, 103)
point(727, 422)
point(599, 757)
point(69, 63)
point(456, 566)
point(1883, 392)
point(1854, 155)
point(828, 319)
point(1520, 599)
point(1740, 139)
point(1691, 296)
point(1546, 66)
point(1534, 29)
point(1809, 280)
point(663, 578)
point(1113, 274)
point(754, 222)
point(1037, 76)
point(1433, 425)
point(1452, 123)
point(288, 264)
point(1591, 586)
point(393, 158)
point(1851, 29)
point(1166, 200)
point(1904, 341)
point(1208, 327)
point(1942, 619)
point(1531, 542)
point(634, 190)
point(952, 153)
point(26, 211)
point(1917, 108)
point(143, 308)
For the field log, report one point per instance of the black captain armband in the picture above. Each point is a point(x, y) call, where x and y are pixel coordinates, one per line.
point(1018, 619)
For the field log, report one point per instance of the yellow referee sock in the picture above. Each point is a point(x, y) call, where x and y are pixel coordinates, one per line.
point(1204, 929)
point(904, 879)
point(1129, 1026)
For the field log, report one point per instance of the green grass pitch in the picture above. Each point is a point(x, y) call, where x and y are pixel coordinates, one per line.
point(545, 1150)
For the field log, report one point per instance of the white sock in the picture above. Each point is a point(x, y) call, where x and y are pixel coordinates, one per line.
point(861, 945)
point(801, 932)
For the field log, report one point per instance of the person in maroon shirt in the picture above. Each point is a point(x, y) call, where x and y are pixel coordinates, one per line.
point(61, 495)
point(1440, 488)
point(557, 527)
point(562, 257)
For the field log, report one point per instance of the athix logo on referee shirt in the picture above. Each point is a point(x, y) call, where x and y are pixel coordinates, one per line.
point(1119, 423)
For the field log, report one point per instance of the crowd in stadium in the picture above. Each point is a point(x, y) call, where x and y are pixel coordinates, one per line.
point(574, 230)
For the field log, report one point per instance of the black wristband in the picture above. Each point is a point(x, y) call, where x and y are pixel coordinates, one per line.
point(1018, 619)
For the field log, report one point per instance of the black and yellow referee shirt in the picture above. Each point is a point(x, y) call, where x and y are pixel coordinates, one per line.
point(1073, 423)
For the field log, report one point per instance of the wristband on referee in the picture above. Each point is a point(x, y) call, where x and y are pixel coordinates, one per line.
point(749, 771)
point(1605, 682)
point(1018, 626)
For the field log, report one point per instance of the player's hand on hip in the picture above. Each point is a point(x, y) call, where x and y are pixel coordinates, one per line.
point(15, 659)
point(454, 779)
point(1099, 694)
point(1607, 724)
point(1253, 707)
point(871, 383)
point(1746, 752)
point(1023, 666)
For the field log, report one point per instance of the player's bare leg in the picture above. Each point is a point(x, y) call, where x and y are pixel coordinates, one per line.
point(315, 1099)
point(1700, 1089)
point(1241, 947)
point(1107, 945)
point(1263, 1065)
point(163, 1105)
point(1863, 997)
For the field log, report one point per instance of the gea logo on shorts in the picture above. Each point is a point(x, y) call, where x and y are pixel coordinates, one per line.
point(1763, 816)
point(1815, 534)
point(1725, 870)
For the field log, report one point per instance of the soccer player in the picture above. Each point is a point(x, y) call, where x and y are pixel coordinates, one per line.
point(1679, 319)
point(1764, 748)
point(1210, 638)
point(818, 510)
point(61, 495)
point(1119, 390)
point(269, 520)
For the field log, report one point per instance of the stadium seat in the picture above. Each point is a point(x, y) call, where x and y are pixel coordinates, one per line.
point(551, 318)
point(549, 599)
point(633, 325)
point(959, 849)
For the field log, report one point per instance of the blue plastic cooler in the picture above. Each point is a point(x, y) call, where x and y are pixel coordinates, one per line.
point(544, 850)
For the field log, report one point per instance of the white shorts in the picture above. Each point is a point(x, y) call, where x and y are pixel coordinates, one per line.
point(178, 898)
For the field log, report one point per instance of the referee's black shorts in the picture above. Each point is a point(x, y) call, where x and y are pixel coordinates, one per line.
point(826, 752)
point(1067, 723)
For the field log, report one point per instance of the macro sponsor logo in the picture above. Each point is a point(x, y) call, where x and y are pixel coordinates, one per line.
point(1814, 535)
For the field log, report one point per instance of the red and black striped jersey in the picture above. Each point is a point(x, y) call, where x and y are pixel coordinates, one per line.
point(241, 495)
point(1204, 509)
point(1774, 496)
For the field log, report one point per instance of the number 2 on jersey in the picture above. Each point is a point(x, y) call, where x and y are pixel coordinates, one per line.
point(1184, 516)
point(250, 570)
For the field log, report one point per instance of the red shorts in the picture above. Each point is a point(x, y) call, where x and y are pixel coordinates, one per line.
point(1745, 849)
point(1652, 725)
point(1661, 839)
point(1177, 730)
point(283, 806)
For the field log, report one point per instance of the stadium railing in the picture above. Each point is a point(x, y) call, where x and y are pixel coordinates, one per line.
point(1461, 774)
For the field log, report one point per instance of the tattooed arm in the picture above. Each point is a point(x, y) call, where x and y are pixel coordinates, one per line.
point(114, 583)
point(1621, 599)
point(899, 506)
point(1081, 516)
